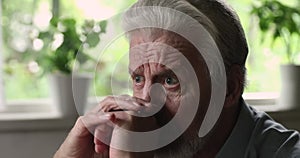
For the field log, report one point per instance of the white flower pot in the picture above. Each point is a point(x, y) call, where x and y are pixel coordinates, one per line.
point(290, 87)
point(69, 93)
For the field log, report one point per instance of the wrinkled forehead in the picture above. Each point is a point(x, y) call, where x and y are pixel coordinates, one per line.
point(155, 52)
point(168, 50)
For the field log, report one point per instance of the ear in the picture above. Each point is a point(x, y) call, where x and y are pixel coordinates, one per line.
point(235, 86)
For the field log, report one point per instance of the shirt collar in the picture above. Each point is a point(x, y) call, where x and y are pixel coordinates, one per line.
point(236, 144)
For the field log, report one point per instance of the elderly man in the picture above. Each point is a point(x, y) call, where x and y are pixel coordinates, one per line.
point(170, 64)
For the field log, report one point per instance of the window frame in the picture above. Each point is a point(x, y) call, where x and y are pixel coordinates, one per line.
point(2, 96)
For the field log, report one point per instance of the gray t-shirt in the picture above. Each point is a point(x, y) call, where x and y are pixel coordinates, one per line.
point(256, 135)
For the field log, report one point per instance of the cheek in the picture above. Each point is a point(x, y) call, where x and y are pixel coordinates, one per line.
point(137, 92)
point(173, 101)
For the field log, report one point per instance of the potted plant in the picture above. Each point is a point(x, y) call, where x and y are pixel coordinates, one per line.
point(62, 57)
point(283, 23)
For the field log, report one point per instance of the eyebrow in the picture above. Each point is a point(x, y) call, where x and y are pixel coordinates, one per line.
point(167, 71)
point(136, 71)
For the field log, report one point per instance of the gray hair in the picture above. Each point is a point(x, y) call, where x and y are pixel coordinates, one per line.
point(162, 19)
point(215, 16)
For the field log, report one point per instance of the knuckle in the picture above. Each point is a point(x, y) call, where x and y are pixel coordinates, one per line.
point(107, 98)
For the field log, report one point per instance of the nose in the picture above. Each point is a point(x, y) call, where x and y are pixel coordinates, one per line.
point(154, 93)
point(158, 94)
point(146, 92)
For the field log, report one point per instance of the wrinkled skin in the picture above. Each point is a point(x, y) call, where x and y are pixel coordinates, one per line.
point(120, 110)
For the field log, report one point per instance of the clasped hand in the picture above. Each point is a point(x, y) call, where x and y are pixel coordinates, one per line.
point(92, 134)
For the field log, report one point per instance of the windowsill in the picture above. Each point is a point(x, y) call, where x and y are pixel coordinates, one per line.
point(41, 115)
point(29, 115)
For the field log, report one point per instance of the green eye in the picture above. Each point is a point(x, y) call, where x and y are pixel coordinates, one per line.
point(171, 81)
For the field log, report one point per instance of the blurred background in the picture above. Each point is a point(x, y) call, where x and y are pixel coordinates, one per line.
point(34, 30)
point(22, 74)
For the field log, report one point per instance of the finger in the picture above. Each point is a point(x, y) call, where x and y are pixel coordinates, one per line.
point(79, 130)
point(116, 103)
point(122, 116)
point(91, 121)
point(150, 108)
point(101, 140)
point(97, 108)
point(102, 136)
point(130, 122)
point(101, 155)
point(103, 133)
point(132, 106)
point(101, 148)
point(119, 103)
point(140, 101)
point(152, 103)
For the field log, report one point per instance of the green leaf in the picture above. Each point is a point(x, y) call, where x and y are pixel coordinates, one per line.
point(92, 39)
point(82, 58)
point(70, 50)
point(54, 21)
point(43, 35)
point(69, 22)
point(280, 20)
point(103, 25)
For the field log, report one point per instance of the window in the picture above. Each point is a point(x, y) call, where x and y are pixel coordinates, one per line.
point(22, 75)
point(263, 60)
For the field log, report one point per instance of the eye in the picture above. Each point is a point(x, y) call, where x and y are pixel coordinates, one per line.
point(138, 80)
point(171, 81)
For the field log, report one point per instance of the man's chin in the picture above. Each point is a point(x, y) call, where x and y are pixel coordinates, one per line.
point(181, 148)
